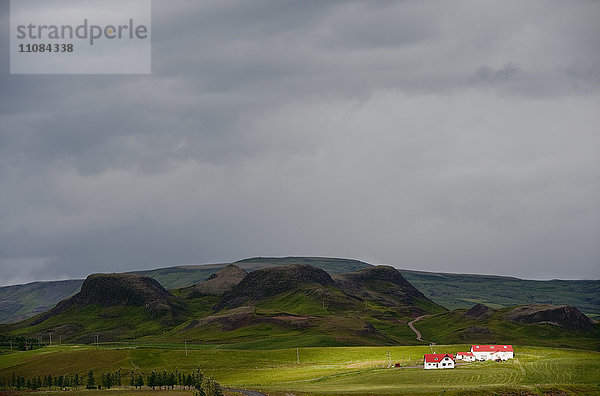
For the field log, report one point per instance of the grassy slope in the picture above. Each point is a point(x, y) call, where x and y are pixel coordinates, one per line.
point(329, 370)
point(81, 325)
point(329, 318)
point(451, 327)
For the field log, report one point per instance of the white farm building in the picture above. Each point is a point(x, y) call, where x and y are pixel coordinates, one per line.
point(438, 361)
point(465, 356)
point(492, 352)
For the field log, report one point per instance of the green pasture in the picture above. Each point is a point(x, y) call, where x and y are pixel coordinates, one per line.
point(333, 370)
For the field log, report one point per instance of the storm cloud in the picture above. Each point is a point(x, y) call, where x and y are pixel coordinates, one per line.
point(436, 136)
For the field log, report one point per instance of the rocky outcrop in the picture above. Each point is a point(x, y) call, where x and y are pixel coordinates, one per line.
point(268, 282)
point(560, 315)
point(387, 286)
point(109, 290)
point(477, 311)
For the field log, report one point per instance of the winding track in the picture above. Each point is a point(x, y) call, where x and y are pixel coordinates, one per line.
point(411, 324)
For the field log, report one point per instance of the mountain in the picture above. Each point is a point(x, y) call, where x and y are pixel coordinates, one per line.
point(543, 325)
point(272, 307)
point(454, 291)
point(109, 290)
point(300, 304)
point(20, 302)
point(119, 306)
point(294, 305)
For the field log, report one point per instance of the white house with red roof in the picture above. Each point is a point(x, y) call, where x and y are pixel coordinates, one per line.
point(492, 352)
point(438, 361)
point(465, 356)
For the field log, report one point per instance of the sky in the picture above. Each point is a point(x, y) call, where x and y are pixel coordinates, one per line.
point(438, 136)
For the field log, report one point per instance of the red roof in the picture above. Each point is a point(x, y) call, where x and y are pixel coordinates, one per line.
point(437, 357)
point(491, 348)
point(464, 353)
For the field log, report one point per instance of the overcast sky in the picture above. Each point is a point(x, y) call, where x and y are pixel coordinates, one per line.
point(457, 136)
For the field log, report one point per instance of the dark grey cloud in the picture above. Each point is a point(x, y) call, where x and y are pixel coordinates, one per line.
point(438, 136)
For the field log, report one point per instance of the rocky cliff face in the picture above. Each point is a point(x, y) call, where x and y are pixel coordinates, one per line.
point(562, 315)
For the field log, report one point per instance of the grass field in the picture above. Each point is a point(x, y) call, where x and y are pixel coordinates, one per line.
point(342, 370)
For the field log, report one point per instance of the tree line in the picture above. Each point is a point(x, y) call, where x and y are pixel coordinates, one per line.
point(19, 342)
point(202, 385)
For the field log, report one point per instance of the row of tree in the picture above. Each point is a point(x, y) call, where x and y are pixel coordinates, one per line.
point(203, 386)
point(19, 342)
point(35, 383)
point(107, 380)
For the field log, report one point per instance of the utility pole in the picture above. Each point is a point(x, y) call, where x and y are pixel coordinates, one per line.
point(50, 339)
point(389, 359)
point(60, 340)
point(186, 353)
point(298, 355)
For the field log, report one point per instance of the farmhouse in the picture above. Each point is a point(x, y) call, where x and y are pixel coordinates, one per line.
point(492, 352)
point(466, 356)
point(438, 361)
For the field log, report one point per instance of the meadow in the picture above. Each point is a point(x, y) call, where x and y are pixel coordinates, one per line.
point(327, 370)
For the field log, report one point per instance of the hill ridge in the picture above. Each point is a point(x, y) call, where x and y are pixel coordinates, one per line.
point(18, 302)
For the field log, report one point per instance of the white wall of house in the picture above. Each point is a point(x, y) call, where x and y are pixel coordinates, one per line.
point(442, 364)
point(493, 355)
point(447, 363)
point(493, 352)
